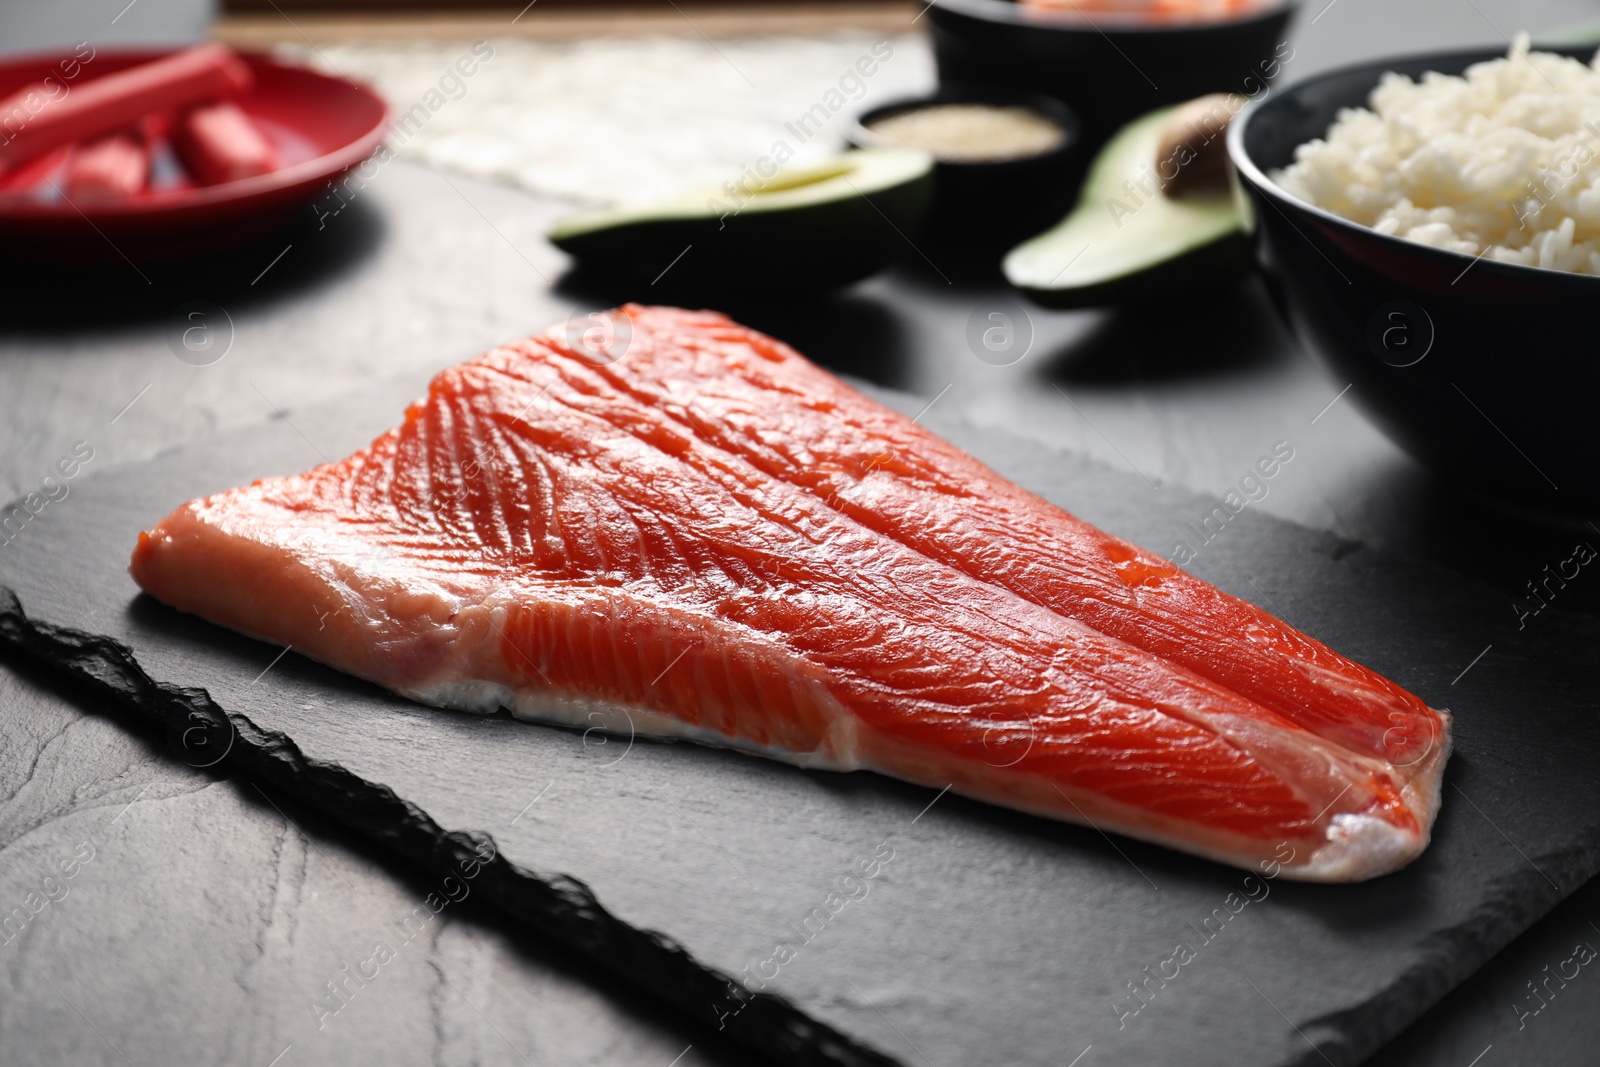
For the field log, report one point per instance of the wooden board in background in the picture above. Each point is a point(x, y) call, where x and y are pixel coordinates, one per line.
point(266, 28)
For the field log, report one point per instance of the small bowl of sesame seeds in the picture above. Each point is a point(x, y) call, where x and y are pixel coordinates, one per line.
point(1006, 160)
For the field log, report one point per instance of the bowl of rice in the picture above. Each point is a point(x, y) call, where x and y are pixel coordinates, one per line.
point(1430, 229)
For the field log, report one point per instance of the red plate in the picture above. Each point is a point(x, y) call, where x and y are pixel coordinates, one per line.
point(321, 126)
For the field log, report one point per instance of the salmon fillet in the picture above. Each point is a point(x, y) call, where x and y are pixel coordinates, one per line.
point(710, 538)
point(760, 399)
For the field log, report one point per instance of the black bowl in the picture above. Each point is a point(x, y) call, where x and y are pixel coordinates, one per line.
point(1109, 69)
point(992, 203)
point(1484, 371)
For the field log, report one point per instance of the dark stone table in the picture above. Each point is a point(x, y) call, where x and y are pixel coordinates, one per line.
point(203, 914)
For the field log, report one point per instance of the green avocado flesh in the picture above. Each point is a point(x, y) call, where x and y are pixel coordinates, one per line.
point(811, 227)
point(1126, 240)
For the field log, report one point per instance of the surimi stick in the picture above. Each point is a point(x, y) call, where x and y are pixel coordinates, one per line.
point(108, 168)
point(218, 143)
point(114, 101)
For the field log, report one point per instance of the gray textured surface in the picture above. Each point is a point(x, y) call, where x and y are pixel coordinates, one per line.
point(410, 276)
point(213, 912)
point(1518, 1005)
point(982, 913)
point(418, 274)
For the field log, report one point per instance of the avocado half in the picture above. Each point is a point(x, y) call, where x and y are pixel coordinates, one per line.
point(807, 227)
point(1126, 240)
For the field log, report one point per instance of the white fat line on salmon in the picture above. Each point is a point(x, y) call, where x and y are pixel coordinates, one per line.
point(339, 990)
point(605, 728)
point(1582, 554)
point(1252, 889)
point(849, 887)
point(53, 488)
point(1253, 488)
point(368, 564)
point(474, 466)
point(668, 667)
point(1582, 954)
point(830, 495)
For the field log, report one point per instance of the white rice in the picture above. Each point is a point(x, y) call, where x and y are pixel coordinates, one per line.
point(1503, 162)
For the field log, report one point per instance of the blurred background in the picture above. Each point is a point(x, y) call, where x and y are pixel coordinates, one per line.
point(598, 101)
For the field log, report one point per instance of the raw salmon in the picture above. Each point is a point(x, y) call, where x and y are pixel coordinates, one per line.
point(650, 545)
point(760, 399)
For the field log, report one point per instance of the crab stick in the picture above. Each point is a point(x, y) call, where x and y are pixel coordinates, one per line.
point(218, 143)
point(104, 105)
point(108, 168)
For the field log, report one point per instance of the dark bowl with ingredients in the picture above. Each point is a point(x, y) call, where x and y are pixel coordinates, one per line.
point(1110, 68)
point(1482, 370)
point(990, 202)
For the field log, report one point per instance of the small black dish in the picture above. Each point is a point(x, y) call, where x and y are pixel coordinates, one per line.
point(1484, 371)
point(991, 203)
point(1108, 68)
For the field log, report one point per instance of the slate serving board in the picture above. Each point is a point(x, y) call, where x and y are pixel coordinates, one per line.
point(983, 936)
